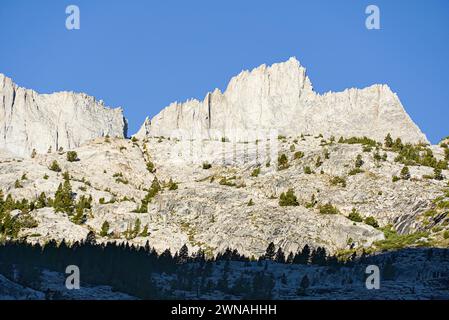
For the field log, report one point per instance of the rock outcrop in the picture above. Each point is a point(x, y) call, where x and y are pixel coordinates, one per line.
point(281, 97)
point(29, 120)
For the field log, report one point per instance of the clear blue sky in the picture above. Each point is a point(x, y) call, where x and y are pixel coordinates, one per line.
point(142, 55)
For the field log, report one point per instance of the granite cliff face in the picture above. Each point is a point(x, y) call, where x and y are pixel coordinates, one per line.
point(281, 97)
point(213, 194)
point(29, 120)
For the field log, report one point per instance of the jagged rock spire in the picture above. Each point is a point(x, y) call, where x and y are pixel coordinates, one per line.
point(281, 97)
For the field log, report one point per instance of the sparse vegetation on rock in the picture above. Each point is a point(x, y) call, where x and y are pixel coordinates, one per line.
point(355, 216)
point(328, 209)
point(55, 166)
point(72, 156)
point(288, 199)
point(282, 162)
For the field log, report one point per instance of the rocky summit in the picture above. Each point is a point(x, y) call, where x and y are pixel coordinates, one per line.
point(346, 171)
point(42, 122)
point(281, 98)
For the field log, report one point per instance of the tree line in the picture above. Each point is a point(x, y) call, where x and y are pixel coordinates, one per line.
point(131, 269)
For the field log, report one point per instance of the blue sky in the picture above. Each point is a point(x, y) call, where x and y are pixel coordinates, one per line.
point(142, 55)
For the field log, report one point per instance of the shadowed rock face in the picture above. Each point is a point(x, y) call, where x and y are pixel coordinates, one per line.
point(29, 120)
point(281, 97)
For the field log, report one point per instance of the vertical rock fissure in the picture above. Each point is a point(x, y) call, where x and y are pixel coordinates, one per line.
point(209, 106)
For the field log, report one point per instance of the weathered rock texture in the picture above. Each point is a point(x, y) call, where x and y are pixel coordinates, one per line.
point(210, 208)
point(29, 120)
point(281, 97)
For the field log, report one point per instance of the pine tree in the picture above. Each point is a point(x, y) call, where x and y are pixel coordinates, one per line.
point(405, 173)
point(137, 226)
point(270, 252)
point(145, 232)
point(358, 161)
point(355, 216)
point(280, 256)
point(90, 238)
point(63, 201)
point(288, 199)
point(79, 217)
point(55, 166)
point(172, 185)
point(72, 156)
point(183, 255)
point(104, 229)
point(303, 256)
point(388, 141)
point(290, 258)
point(437, 174)
point(282, 162)
point(397, 145)
point(303, 285)
point(318, 257)
point(41, 201)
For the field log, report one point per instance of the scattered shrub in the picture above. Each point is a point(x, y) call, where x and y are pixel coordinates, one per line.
point(17, 184)
point(405, 173)
point(355, 171)
point(307, 170)
point(298, 155)
point(104, 229)
point(288, 199)
point(172, 185)
point(358, 161)
point(55, 166)
point(437, 174)
point(388, 141)
point(225, 182)
point(206, 166)
point(371, 221)
point(355, 216)
point(312, 202)
point(318, 162)
point(72, 156)
point(120, 179)
point(338, 181)
point(367, 149)
point(356, 140)
point(328, 209)
point(282, 162)
point(255, 172)
point(150, 167)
